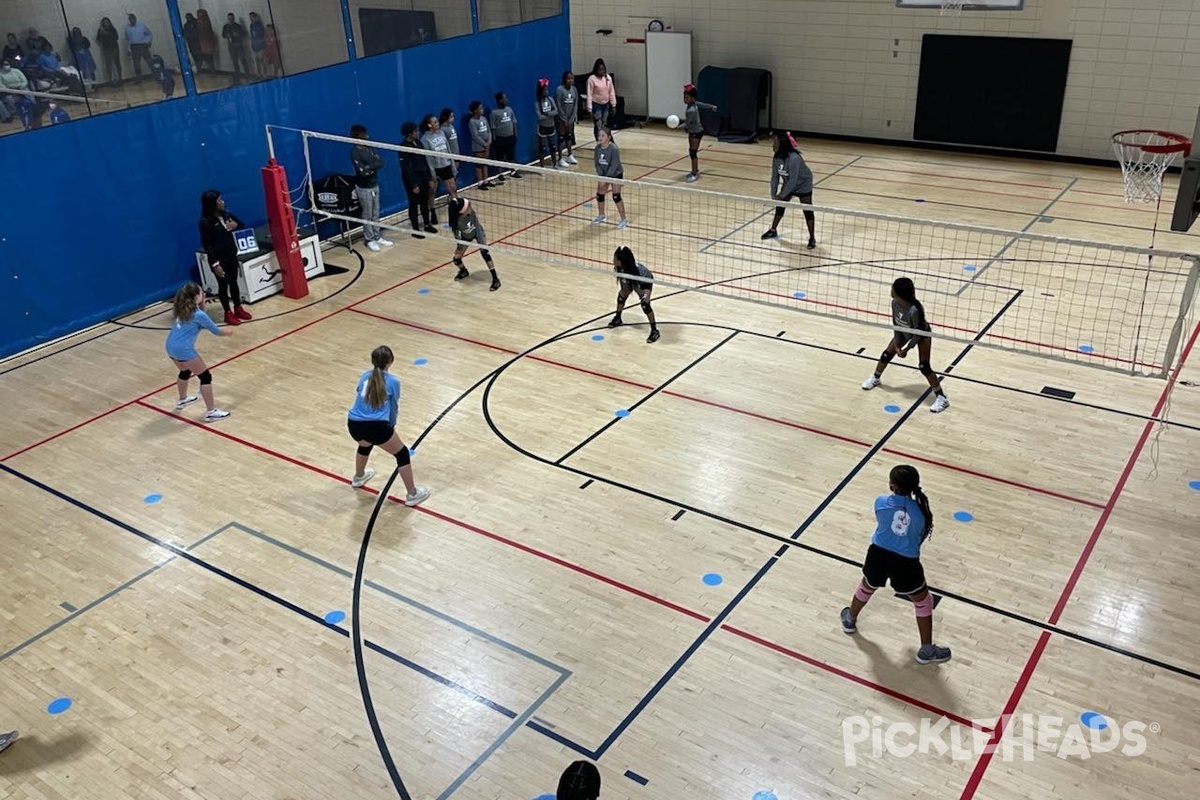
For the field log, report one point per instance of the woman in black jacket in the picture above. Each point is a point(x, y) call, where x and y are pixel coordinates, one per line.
point(417, 176)
point(216, 237)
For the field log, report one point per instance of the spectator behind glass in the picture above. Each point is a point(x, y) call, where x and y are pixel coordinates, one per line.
point(191, 35)
point(48, 60)
point(110, 50)
point(13, 53)
point(208, 38)
point(139, 39)
point(258, 43)
point(271, 52)
point(81, 50)
point(235, 34)
point(58, 115)
point(10, 78)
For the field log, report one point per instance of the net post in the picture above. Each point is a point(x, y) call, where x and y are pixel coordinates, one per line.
point(283, 231)
point(1186, 300)
point(270, 143)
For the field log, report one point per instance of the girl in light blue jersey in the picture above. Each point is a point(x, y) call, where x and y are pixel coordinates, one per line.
point(903, 521)
point(372, 421)
point(190, 317)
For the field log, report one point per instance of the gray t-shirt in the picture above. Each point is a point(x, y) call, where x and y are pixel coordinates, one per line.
point(636, 286)
point(547, 112)
point(436, 143)
point(912, 316)
point(568, 104)
point(481, 134)
point(504, 121)
point(793, 174)
point(468, 229)
point(608, 161)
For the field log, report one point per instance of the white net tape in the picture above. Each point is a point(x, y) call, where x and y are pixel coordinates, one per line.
point(1145, 157)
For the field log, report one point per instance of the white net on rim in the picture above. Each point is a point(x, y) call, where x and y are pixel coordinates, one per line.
point(951, 7)
point(1144, 157)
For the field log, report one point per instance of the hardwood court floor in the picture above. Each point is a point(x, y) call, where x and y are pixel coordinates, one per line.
point(191, 588)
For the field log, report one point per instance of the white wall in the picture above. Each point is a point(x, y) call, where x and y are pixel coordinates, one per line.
point(851, 66)
point(47, 16)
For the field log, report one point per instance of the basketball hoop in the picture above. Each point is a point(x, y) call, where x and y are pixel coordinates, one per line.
point(952, 8)
point(1145, 155)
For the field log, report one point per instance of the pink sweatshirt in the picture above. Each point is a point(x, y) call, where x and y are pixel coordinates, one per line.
point(600, 90)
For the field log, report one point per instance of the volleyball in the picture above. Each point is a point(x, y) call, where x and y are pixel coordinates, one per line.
point(673, 121)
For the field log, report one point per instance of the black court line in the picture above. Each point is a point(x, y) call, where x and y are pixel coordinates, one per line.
point(678, 514)
point(686, 368)
point(633, 776)
point(720, 618)
point(586, 484)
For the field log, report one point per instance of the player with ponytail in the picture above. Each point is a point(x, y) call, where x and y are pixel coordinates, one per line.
point(372, 421)
point(903, 522)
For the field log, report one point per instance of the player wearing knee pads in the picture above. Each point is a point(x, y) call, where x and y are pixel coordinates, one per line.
point(607, 159)
point(907, 312)
point(694, 127)
point(466, 228)
point(633, 276)
point(790, 177)
point(189, 319)
point(903, 522)
point(372, 422)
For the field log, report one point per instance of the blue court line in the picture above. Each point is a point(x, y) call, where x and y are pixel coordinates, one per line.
point(804, 526)
point(745, 225)
point(102, 598)
point(1036, 217)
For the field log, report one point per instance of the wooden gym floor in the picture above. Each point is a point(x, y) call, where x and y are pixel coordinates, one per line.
point(660, 594)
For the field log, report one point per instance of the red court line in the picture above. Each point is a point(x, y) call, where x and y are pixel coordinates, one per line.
point(741, 411)
point(798, 656)
point(65, 431)
point(1035, 657)
point(581, 570)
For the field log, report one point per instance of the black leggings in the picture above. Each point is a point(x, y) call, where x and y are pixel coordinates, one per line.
point(505, 149)
point(227, 287)
point(418, 201)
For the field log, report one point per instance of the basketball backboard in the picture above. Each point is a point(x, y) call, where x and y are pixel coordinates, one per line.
point(1187, 202)
point(968, 5)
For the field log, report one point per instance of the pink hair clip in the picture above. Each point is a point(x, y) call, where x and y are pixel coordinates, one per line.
point(543, 82)
point(792, 139)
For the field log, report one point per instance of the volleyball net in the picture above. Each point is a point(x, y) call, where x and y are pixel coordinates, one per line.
point(1114, 307)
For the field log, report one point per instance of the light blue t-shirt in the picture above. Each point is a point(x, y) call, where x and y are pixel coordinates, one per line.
point(181, 341)
point(362, 411)
point(899, 525)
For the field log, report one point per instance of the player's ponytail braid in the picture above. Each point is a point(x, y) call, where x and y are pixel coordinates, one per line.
point(907, 481)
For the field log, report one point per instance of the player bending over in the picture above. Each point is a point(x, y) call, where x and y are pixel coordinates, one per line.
point(465, 225)
point(907, 312)
point(625, 264)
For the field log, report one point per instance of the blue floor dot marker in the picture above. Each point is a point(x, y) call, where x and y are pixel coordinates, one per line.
point(599, 337)
point(58, 705)
point(545, 797)
point(622, 413)
point(1194, 485)
point(334, 617)
point(799, 295)
point(969, 268)
point(892, 409)
point(150, 499)
point(712, 579)
point(1092, 720)
point(764, 795)
point(420, 362)
point(422, 291)
point(963, 516)
point(1086, 348)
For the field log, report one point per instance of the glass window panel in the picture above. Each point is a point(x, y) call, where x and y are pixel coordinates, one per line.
point(310, 33)
point(381, 26)
point(540, 9)
point(498, 13)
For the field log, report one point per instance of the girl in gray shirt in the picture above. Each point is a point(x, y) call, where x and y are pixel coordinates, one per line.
point(788, 168)
point(694, 127)
point(567, 98)
point(607, 158)
point(547, 119)
point(633, 277)
point(907, 312)
point(433, 139)
point(481, 142)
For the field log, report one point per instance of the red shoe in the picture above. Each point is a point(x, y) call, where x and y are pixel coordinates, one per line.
point(241, 313)
point(231, 318)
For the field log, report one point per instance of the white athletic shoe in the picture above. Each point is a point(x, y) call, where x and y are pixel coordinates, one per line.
point(871, 382)
point(386, 242)
point(185, 402)
point(358, 481)
point(571, 160)
point(563, 164)
point(373, 247)
point(623, 224)
point(599, 220)
point(940, 404)
point(692, 177)
point(417, 497)
point(215, 414)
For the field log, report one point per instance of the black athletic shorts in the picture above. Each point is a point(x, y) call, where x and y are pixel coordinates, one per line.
point(445, 173)
point(374, 431)
point(907, 576)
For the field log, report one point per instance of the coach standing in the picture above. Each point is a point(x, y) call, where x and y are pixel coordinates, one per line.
point(138, 38)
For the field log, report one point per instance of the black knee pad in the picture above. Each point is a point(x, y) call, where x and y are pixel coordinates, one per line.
point(403, 459)
point(185, 374)
point(886, 356)
point(205, 378)
point(646, 307)
point(458, 262)
point(616, 197)
point(600, 197)
point(926, 370)
point(693, 153)
point(365, 450)
point(487, 257)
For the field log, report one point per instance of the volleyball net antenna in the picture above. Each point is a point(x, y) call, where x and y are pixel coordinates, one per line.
point(1113, 307)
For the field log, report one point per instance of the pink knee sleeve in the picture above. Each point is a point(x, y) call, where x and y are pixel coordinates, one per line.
point(863, 592)
point(924, 608)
